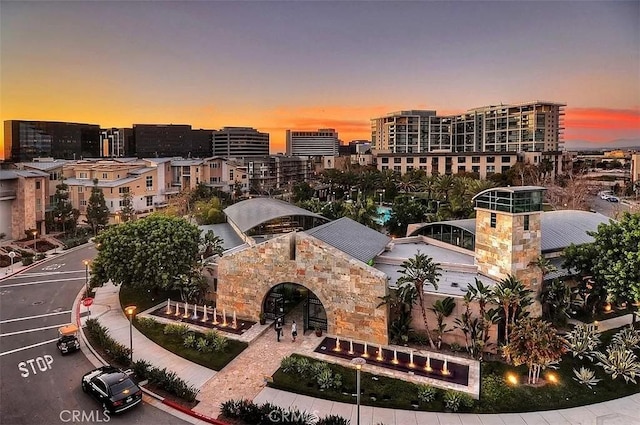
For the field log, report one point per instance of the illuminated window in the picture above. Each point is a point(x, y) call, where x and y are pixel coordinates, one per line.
point(493, 220)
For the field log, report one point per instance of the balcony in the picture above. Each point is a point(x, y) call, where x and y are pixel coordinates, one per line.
point(6, 195)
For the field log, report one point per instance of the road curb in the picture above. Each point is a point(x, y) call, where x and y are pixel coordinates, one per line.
point(170, 404)
point(44, 260)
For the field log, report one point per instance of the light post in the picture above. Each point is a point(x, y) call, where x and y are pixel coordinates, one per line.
point(358, 362)
point(86, 277)
point(12, 255)
point(35, 242)
point(130, 310)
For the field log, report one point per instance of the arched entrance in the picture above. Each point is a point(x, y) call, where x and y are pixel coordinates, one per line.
point(286, 297)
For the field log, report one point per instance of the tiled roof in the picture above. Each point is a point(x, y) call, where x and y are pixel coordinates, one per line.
point(252, 212)
point(351, 237)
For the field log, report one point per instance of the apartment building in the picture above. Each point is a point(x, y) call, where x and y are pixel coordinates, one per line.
point(312, 143)
point(26, 140)
point(274, 172)
point(23, 195)
point(531, 126)
point(240, 142)
point(635, 170)
point(228, 175)
point(482, 163)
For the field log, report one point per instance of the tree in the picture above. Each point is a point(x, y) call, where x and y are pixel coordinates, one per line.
point(127, 212)
point(511, 294)
point(405, 211)
point(612, 260)
point(302, 192)
point(211, 244)
point(97, 211)
point(536, 344)
point(149, 253)
point(420, 271)
point(209, 212)
point(62, 209)
point(364, 211)
point(442, 309)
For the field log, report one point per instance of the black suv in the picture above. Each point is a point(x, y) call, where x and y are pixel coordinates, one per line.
point(113, 388)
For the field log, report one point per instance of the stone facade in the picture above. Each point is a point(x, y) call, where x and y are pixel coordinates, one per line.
point(349, 290)
point(508, 249)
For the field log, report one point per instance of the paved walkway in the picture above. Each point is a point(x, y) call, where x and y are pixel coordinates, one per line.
point(106, 308)
point(244, 378)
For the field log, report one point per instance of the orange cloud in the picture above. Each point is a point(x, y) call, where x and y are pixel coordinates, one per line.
point(601, 124)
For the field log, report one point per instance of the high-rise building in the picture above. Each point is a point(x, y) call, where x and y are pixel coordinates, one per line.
point(201, 143)
point(162, 140)
point(240, 142)
point(116, 142)
point(26, 140)
point(312, 143)
point(533, 126)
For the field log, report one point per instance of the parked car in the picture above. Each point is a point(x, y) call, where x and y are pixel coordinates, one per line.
point(605, 197)
point(613, 199)
point(113, 388)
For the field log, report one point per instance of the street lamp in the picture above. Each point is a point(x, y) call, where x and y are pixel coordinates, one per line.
point(86, 277)
point(35, 242)
point(381, 196)
point(358, 362)
point(130, 310)
point(12, 255)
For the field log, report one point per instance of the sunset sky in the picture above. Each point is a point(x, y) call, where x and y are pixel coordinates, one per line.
point(275, 65)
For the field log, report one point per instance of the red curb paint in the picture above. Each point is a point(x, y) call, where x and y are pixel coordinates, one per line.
point(192, 413)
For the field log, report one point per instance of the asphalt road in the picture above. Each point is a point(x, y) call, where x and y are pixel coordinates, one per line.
point(610, 209)
point(37, 384)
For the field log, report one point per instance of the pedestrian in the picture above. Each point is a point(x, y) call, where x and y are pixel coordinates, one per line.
point(294, 331)
point(278, 328)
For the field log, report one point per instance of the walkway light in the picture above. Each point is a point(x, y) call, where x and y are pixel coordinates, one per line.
point(130, 311)
point(358, 362)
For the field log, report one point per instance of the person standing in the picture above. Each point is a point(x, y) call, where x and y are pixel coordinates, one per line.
point(278, 328)
point(294, 331)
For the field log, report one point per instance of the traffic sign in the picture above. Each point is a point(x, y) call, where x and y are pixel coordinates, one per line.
point(87, 301)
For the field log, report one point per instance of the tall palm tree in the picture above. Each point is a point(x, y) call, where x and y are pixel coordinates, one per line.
point(420, 271)
point(514, 297)
point(427, 184)
point(442, 309)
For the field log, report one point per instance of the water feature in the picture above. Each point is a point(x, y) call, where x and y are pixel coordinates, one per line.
point(224, 317)
point(186, 310)
point(168, 305)
point(215, 316)
point(204, 316)
point(350, 346)
point(395, 356)
point(365, 352)
point(235, 322)
point(195, 312)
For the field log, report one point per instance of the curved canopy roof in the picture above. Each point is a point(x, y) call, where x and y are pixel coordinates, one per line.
point(559, 229)
point(250, 213)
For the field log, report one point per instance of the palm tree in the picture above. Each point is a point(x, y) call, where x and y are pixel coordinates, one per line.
point(420, 271)
point(514, 298)
point(442, 309)
point(427, 184)
point(363, 211)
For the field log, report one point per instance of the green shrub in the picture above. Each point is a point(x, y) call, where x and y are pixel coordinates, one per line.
point(454, 400)
point(217, 342)
point(314, 369)
point(190, 340)
point(118, 352)
point(304, 366)
point(141, 369)
point(427, 393)
point(176, 329)
point(39, 256)
point(289, 364)
point(494, 390)
point(202, 345)
point(27, 260)
point(333, 420)
point(146, 322)
point(327, 379)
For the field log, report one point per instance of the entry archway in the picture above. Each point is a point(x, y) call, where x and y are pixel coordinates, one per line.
point(282, 298)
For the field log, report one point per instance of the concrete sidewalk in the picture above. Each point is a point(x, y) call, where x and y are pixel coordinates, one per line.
point(623, 411)
point(106, 308)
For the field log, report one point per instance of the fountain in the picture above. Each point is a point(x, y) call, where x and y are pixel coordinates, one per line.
point(177, 309)
point(395, 356)
point(411, 364)
point(168, 305)
point(337, 347)
point(224, 317)
point(380, 357)
point(204, 317)
point(351, 346)
point(186, 310)
point(195, 312)
point(366, 352)
point(235, 323)
point(445, 369)
point(215, 316)
point(427, 366)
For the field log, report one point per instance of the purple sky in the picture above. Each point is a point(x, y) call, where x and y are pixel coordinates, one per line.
point(278, 65)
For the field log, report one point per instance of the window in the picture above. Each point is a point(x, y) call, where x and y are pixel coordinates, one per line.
point(410, 160)
point(475, 159)
point(38, 204)
point(105, 175)
point(423, 160)
point(149, 182)
point(37, 185)
point(526, 222)
point(462, 159)
point(83, 176)
point(493, 220)
point(121, 203)
point(491, 159)
point(149, 200)
point(83, 203)
point(230, 174)
point(397, 160)
point(506, 159)
point(79, 189)
point(397, 168)
point(385, 160)
point(124, 189)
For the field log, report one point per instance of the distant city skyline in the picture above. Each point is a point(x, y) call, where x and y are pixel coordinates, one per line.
point(308, 65)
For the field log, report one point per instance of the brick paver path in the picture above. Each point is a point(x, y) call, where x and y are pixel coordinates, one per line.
point(243, 378)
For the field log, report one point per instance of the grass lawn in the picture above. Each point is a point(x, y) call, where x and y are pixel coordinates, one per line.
point(174, 343)
point(496, 395)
